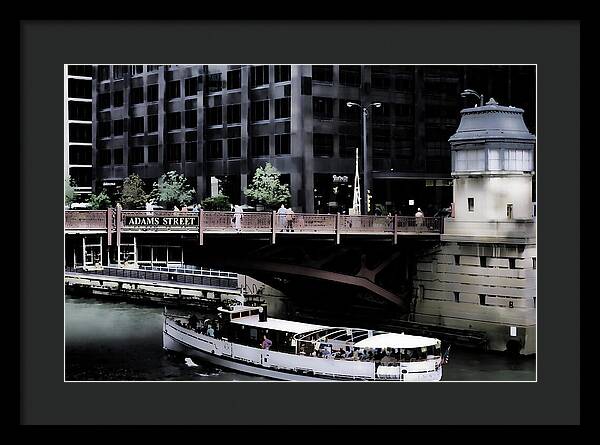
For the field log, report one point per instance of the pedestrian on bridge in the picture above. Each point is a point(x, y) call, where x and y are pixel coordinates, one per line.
point(238, 218)
point(419, 216)
point(282, 212)
point(290, 220)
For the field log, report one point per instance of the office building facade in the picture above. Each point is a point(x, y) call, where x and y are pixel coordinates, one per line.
point(78, 127)
point(216, 124)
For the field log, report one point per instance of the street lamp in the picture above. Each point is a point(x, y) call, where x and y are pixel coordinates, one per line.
point(365, 166)
point(469, 92)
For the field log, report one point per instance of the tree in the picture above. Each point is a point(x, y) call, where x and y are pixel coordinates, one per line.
point(170, 190)
point(69, 190)
point(219, 202)
point(133, 195)
point(266, 187)
point(101, 201)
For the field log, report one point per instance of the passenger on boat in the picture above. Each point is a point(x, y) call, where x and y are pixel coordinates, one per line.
point(388, 359)
point(266, 343)
point(193, 322)
point(210, 331)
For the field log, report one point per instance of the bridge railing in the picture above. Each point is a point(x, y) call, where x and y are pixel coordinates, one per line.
point(257, 222)
point(154, 276)
point(85, 219)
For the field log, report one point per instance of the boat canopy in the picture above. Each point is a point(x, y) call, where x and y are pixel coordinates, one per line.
point(396, 341)
point(276, 324)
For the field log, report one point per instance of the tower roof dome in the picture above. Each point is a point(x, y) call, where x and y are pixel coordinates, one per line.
point(491, 121)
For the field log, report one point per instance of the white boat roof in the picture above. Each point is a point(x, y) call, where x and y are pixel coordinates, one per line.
point(396, 341)
point(277, 324)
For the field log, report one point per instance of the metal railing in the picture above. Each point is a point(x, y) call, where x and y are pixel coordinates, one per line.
point(228, 282)
point(249, 222)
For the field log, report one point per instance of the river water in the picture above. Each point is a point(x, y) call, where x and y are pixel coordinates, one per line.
point(121, 341)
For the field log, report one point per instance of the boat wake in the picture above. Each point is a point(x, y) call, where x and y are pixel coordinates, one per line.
point(190, 363)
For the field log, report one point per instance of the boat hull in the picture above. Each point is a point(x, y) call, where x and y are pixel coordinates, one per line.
point(218, 352)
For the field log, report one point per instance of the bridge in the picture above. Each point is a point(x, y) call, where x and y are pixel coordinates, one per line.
point(114, 222)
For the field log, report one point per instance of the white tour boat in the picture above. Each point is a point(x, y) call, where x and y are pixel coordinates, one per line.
point(243, 338)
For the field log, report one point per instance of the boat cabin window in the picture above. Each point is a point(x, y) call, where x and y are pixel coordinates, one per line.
point(236, 315)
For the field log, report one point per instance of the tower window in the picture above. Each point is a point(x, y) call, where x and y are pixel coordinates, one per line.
point(457, 260)
point(471, 204)
point(482, 299)
point(457, 297)
point(483, 261)
point(511, 263)
point(509, 211)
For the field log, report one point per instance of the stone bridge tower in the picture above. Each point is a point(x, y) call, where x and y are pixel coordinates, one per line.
point(483, 275)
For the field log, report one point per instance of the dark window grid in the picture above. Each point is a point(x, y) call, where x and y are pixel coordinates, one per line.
point(283, 73)
point(173, 90)
point(152, 93)
point(214, 149)
point(137, 155)
point(153, 153)
point(322, 145)
point(234, 148)
point(118, 156)
point(174, 153)
point(234, 79)
point(191, 86)
point(234, 114)
point(259, 76)
point(282, 144)
point(152, 123)
point(283, 108)
point(191, 151)
point(136, 125)
point(191, 119)
point(323, 108)
point(259, 146)
point(214, 83)
point(174, 121)
point(214, 116)
point(260, 111)
point(322, 73)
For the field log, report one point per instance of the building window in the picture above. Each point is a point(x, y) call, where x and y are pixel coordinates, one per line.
point(234, 148)
point(457, 260)
point(350, 75)
point(234, 114)
point(511, 263)
point(517, 160)
point(174, 153)
point(215, 149)
point(482, 299)
point(173, 90)
point(322, 73)
point(214, 83)
point(173, 120)
point(534, 262)
point(103, 73)
point(119, 71)
point(80, 70)
point(469, 160)
point(153, 153)
point(104, 101)
point(135, 70)
point(457, 297)
point(152, 93)
point(259, 75)
point(404, 85)
point(80, 88)
point(118, 98)
point(191, 151)
point(137, 95)
point(282, 144)
point(509, 211)
point(380, 78)
point(80, 111)
point(234, 79)
point(137, 125)
point(104, 157)
point(282, 108)
point(152, 67)
point(191, 119)
point(323, 108)
point(348, 145)
point(322, 145)
point(137, 155)
point(381, 115)
point(191, 86)
point(118, 127)
point(494, 162)
point(259, 111)
point(283, 73)
point(104, 129)
point(214, 116)
point(260, 146)
point(152, 123)
point(118, 156)
point(471, 203)
point(80, 132)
